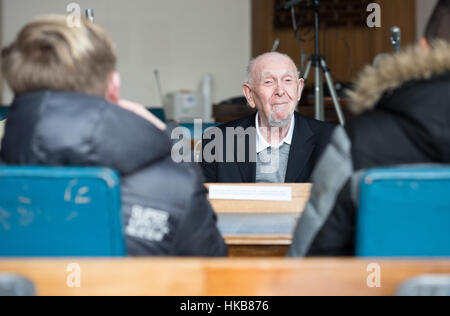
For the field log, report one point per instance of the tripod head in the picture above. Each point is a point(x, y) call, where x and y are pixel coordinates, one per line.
point(292, 3)
point(317, 61)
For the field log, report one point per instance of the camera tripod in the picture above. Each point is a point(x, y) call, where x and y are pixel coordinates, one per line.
point(320, 65)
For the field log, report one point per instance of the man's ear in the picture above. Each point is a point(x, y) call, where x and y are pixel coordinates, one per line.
point(113, 88)
point(424, 44)
point(301, 84)
point(248, 95)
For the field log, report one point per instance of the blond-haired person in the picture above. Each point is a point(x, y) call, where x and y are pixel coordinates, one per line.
point(67, 111)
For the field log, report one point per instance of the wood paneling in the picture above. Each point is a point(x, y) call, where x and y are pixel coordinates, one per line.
point(258, 246)
point(257, 251)
point(347, 49)
point(220, 277)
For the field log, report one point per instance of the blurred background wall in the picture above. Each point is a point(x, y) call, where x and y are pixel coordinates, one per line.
point(424, 8)
point(184, 39)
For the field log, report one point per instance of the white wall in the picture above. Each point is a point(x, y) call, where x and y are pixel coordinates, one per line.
point(424, 8)
point(184, 39)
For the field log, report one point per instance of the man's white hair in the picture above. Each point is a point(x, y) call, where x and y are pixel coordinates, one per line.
point(252, 63)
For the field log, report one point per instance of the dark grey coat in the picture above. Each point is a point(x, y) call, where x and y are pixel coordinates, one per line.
point(404, 107)
point(70, 129)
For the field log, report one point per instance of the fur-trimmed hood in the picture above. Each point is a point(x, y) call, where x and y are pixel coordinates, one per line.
point(412, 64)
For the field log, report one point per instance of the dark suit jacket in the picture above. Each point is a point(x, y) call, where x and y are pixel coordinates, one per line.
point(309, 140)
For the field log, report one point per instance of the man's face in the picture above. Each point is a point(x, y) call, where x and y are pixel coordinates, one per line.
point(275, 90)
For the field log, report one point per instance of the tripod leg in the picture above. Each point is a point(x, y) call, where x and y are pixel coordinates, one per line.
point(333, 93)
point(307, 70)
point(318, 93)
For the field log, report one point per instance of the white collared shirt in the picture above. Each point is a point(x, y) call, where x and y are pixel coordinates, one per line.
point(262, 144)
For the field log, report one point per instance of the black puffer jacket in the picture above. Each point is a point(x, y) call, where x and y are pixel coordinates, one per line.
point(64, 129)
point(405, 119)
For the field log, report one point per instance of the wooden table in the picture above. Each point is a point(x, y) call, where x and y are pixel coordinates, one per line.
point(219, 277)
point(260, 228)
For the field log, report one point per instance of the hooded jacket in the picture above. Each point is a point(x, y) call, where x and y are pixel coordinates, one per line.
point(71, 129)
point(404, 114)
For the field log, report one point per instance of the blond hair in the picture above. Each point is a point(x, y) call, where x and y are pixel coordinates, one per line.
point(49, 55)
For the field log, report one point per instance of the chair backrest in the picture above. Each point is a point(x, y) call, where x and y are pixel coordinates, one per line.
point(3, 112)
point(404, 212)
point(46, 211)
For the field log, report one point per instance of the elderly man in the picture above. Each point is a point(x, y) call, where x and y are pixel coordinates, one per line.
point(277, 144)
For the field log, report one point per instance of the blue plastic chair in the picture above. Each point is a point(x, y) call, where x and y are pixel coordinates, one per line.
point(404, 212)
point(60, 212)
point(3, 112)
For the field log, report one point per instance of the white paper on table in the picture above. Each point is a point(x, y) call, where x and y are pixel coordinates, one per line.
point(250, 193)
